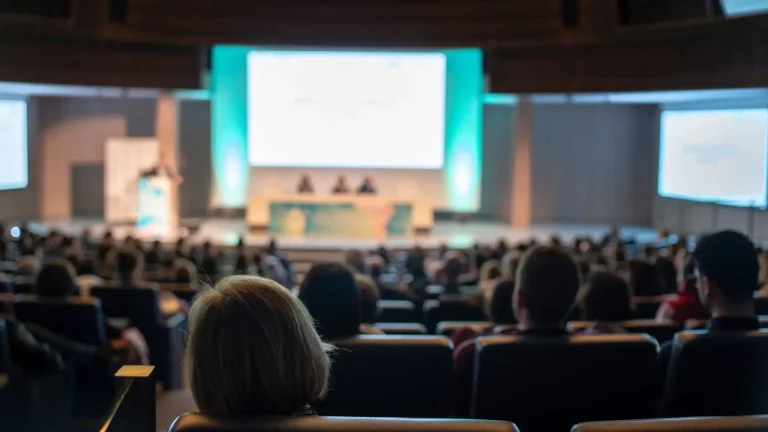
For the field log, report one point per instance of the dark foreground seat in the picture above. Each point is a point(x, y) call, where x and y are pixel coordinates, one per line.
point(194, 422)
point(450, 308)
point(164, 336)
point(552, 383)
point(662, 331)
point(717, 373)
point(390, 376)
point(703, 424)
point(80, 320)
point(398, 311)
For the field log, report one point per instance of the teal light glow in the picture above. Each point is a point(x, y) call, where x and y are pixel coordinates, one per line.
point(464, 135)
point(229, 116)
point(463, 147)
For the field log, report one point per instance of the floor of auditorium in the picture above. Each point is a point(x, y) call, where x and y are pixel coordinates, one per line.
point(226, 232)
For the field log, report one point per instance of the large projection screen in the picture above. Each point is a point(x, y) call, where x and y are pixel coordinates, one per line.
point(717, 156)
point(13, 144)
point(346, 109)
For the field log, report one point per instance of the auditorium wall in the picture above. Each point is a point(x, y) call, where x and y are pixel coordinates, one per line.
point(590, 163)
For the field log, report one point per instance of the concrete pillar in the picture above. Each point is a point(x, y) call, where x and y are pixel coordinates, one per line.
point(521, 150)
point(167, 133)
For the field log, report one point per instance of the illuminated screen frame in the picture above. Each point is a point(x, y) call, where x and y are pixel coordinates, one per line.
point(463, 124)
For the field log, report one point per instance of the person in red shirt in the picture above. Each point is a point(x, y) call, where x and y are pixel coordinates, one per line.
point(546, 285)
point(686, 305)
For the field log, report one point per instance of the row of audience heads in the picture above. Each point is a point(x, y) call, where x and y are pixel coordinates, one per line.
point(248, 321)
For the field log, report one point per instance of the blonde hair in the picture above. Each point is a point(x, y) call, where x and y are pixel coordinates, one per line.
point(253, 350)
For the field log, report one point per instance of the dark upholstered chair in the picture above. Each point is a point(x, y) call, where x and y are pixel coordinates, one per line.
point(390, 376)
point(194, 422)
point(402, 328)
point(761, 303)
point(661, 331)
point(6, 284)
point(8, 267)
point(717, 373)
point(164, 336)
point(5, 349)
point(24, 285)
point(398, 311)
point(450, 309)
point(701, 424)
point(647, 307)
point(446, 328)
point(80, 320)
point(552, 383)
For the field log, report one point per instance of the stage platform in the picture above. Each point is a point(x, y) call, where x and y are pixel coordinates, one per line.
point(226, 232)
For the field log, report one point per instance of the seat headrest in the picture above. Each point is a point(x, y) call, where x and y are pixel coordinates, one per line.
point(32, 298)
point(719, 337)
point(703, 424)
point(489, 341)
point(396, 304)
point(394, 340)
point(193, 422)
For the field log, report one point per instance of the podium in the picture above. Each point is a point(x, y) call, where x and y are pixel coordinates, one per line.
point(156, 218)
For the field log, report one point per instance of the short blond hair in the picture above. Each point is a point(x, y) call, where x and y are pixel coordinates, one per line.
point(253, 350)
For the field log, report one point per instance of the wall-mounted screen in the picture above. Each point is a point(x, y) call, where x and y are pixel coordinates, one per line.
point(13, 144)
point(718, 156)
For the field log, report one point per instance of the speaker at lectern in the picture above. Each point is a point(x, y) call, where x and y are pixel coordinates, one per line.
point(156, 216)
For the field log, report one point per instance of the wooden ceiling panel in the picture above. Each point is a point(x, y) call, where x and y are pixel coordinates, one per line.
point(78, 62)
point(726, 54)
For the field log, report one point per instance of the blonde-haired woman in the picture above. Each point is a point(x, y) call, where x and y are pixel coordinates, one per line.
point(253, 350)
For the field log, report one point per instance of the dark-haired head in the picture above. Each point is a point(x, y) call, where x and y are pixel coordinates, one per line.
point(728, 269)
point(129, 266)
point(329, 292)
point(667, 271)
point(644, 278)
point(500, 307)
point(546, 286)
point(56, 279)
point(606, 297)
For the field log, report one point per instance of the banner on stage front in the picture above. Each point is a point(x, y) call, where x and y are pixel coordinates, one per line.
point(125, 159)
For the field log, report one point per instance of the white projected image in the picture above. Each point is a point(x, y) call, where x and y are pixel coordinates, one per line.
point(346, 109)
point(714, 156)
point(13, 144)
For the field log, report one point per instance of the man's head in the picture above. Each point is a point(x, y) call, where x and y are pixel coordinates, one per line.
point(129, 266)
point(547, 282)
point(727, 267)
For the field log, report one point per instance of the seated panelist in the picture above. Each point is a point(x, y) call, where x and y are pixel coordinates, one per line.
point(305, 185)
point(341, 186)
point(366, 188)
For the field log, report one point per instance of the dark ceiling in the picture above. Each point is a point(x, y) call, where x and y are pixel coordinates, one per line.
point(530, 45)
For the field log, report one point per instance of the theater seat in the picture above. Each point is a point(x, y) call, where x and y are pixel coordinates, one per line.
point(402, 328)
point(194, 422)
point(5, 349)
point(450, 309)
point(398, 311)
point(662, 331)
point(761, 303)
point(164, 336)
point(80, 320)
point(553, 382)
point(717, 373)
point(24, 285)
point(446, 328)
point(702, 424)
point(647, 307)
point(390, 376)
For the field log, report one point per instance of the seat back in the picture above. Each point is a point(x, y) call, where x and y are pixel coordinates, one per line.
point(194, 422)
point(662, 331)
point(75, 318)
point(140, 305)
point(761, 303)
point(703, 424)
point(397, 311)
point(647, 307)
point(450, 309)
point(446, 328)
point(402, 328)
point(717, 373)
point(390, 376)
point(24, 285)
point(5, 349)
point(554, 382)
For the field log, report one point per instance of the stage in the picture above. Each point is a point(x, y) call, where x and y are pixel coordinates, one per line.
point(226, 232)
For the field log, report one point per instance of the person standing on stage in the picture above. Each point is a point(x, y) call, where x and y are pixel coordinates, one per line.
point(366, 188)
point(305, 185)
point(341, 186)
